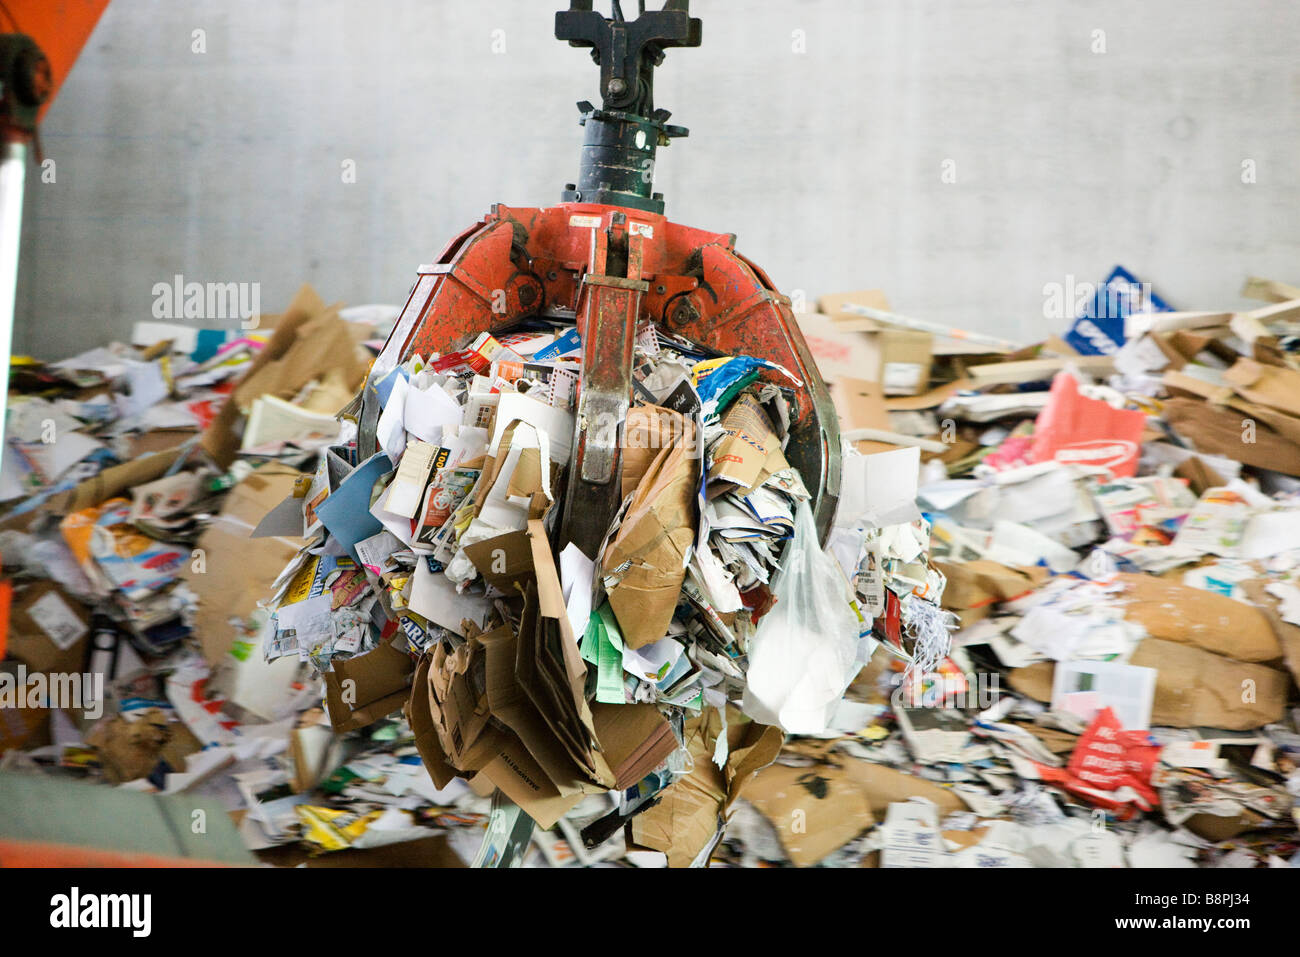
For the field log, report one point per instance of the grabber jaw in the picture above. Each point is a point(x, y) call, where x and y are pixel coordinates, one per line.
point(608, 268)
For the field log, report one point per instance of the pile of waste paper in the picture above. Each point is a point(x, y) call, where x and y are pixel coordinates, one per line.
point(1055, 622)
point(710, 620)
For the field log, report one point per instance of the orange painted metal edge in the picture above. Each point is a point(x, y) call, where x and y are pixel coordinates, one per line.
point(59, 27)
point(41, 854)
point(6, 598)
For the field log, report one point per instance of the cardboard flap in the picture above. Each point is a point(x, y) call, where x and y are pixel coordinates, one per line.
point(362, 690)
point(634, 739)
point(420, 717)
point(504, 561)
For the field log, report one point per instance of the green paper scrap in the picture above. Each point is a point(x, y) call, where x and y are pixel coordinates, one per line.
point(340, 779)
point(591, 641)
point(612, 631)
point(609, 671)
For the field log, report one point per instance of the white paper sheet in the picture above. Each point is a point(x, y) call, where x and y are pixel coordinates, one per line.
point(391, 429)
point(577, 573)
point(429, 411)
point(879, 489)
point(557, 423)
point(434, 597)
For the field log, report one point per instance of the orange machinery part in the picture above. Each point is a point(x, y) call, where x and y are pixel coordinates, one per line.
point(41, 854)
point(59, 27)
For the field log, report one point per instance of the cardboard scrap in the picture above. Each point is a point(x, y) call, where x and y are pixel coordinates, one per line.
point(1216, 430)
point(362, 690)
point(1266, 385)
point(235, 570)
point(1288, 635)
point(685, 824)
point(645, 563)
point(1195, 688)
point(511, 707)
point(310, 343)
point(815, 810)
point(748, 451)
point(48, 634)
point(132, 748)
point(975, 586)
point(884, 786)
point(1195, 616)
point(49, 629)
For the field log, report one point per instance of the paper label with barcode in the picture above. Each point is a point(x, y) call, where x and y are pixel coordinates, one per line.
point(53, 616)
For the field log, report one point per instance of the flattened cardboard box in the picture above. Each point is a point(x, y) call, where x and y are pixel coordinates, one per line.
point(549, 652)
point(634, 739)
point(532, 768)
point(905, 361)
point(49, 630)
point(838, 352)
point(48, 633)
point(512, 707)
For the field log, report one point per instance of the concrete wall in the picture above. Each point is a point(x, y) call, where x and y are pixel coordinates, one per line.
point(828, 163)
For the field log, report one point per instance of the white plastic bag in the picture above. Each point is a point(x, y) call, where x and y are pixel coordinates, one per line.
point(804, 652)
